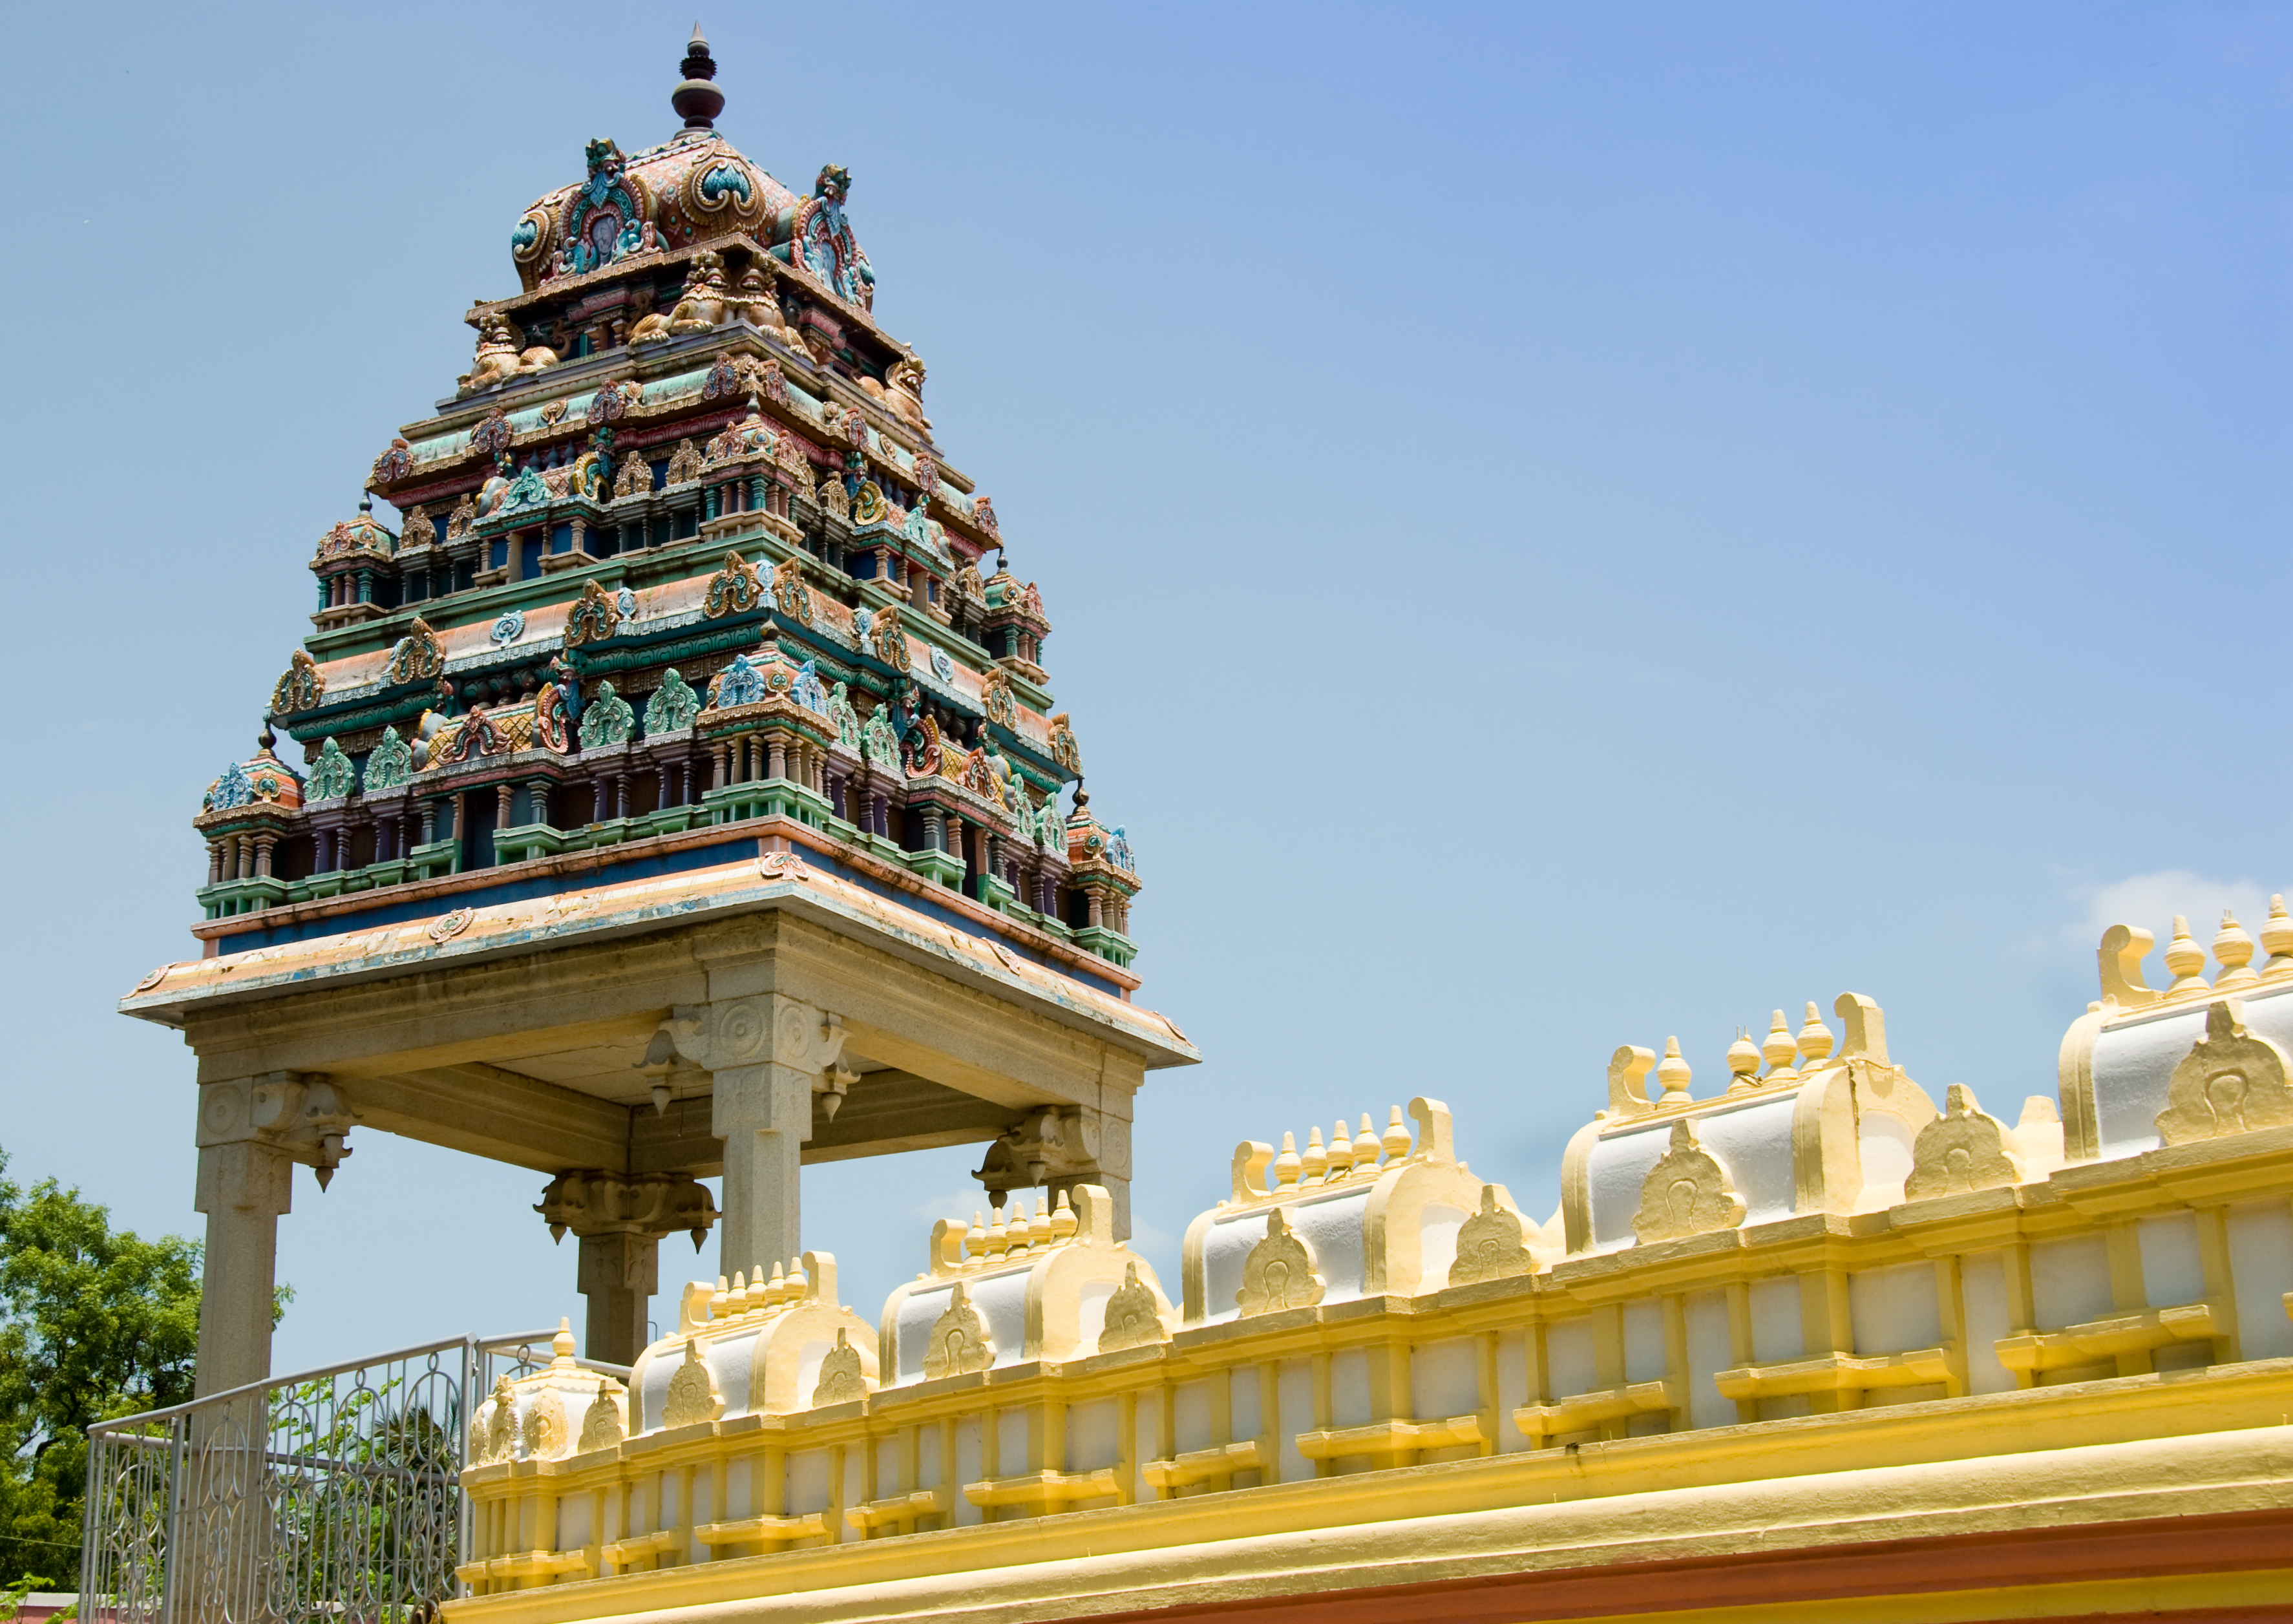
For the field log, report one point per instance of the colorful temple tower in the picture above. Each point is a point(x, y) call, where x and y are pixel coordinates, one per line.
point(680, 797)
point(682, 784)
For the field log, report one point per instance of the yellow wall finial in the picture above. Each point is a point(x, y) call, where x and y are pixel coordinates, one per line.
point(1672, 1071)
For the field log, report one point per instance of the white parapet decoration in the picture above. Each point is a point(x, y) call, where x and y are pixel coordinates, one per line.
point(1335, 1225)
point(1828, 1134)
point(1053, 1285)
point(769, 1348)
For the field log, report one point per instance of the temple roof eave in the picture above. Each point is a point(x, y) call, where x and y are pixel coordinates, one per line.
point(614, 912)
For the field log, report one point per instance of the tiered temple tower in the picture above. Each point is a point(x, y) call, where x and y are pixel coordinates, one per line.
point(681, 788)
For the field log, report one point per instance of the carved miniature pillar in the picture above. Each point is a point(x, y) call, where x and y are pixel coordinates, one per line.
point(776, 755)
point(709, 502)
point(598, 799)
point(264, 844)
point(429, 821)
point(620, 795)
point(660, 786)
point(366, 585)
point(214, 862)
point(621, 1221)
point(581, 545)
point(717, 758)
point(768, 1055)
point(251, 1131)
point(1097, 911)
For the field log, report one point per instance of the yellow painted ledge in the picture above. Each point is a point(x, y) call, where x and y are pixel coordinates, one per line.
point(1487, 1517)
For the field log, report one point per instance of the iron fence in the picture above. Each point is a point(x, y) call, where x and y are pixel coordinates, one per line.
point(333, 1495)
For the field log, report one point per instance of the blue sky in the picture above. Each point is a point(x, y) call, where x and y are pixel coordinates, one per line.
point(1564, 524)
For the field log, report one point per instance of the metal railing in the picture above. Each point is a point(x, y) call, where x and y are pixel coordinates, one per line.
point(332, 1494)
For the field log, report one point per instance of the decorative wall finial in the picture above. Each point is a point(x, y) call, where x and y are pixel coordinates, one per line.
point(697, 101)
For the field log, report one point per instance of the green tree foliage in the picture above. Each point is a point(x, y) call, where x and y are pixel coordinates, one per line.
point(94, 1322)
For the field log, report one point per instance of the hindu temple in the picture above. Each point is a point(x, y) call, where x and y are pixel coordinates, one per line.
point(678, 792)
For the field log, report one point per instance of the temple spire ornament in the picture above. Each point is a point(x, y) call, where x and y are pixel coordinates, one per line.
point(697, 100)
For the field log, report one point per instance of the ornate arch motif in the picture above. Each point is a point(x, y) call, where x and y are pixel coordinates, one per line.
point(491, 434)
point(888, 642)
point(390, 764)
point(684, 464)
point(395, 462)
point(1962, 1150)
point(549, 717)
point(733, 590)
point(419, 656)
point(2231, 1081)
point(790, 595)
point(612, 402)
point(501, 1425)
point(602, 1426)
point(1490, 1244)
point(1687, 1192)
point(842, 1377)
point(635, 479)
point(606, 217)
point(1279, 1273)
point(1134, 1318)
point(331, 776)
point(959, 1344)
point(596, 616)
point(301, 687)
point(546, 1431)
point(1064, 748)
point(995, 697)
point(693, 1397)
point(722, 192)
point(606, 720)
point(673, 705)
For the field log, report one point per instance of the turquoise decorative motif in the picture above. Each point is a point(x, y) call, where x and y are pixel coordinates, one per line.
point(878, 744)
point(233, 788)
point(806, 689)
point(673, 705)
point(606, 720)
point(846, 719)
point(390, 764)
point(331, 774)
point(741, 683)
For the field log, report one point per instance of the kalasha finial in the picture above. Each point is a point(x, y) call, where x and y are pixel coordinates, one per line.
point(264, 740)
point(697, 100)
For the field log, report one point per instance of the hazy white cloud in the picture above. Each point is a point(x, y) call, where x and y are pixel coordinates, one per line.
point(2151, 901)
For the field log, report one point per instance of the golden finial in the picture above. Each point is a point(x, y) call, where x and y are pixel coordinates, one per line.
point(1039, 1227)
point(2277, 936)
point(1316, 1161)
point(999, 1236)
point(1366, 1146)
point(796, 1283)
point(1341, 1153)
point(1814, 1039)
point(737, 1300)
point(1674, 1073)
point(2233, 951)
point(720, 1299)
point(1396, 1138)
point(1743, 1061)
point(1779, 1051)
point(1064, 1223)
point(975, 1239)
point(562, 1344)
point(2184, 957)
point(1286, 1166)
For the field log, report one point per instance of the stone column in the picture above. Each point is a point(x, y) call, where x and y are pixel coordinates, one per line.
point(251, 1133)
point(768, 1055)
point(622, 1220)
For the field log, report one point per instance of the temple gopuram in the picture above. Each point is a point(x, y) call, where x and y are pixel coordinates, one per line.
point(682, 795)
